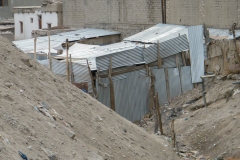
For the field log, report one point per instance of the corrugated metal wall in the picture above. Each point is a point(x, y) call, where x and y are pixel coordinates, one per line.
point(160, 85)
point(195, 35)
point(131, 94)
point(120, 59)
point(174, 82)
point(80, 72)
point(186, 79)
point(167, 48)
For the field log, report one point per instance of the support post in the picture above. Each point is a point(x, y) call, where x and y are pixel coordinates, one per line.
point(167, 83)
point(67, 63)
point(35, 48)
point(112, 98)
point(203, 88)
point(173, 134)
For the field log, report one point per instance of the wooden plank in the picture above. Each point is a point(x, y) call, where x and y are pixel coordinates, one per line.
point(159, 57)
point(167, 83)
point(179, 71)
point(123, 71)
point(67, 63)
point(173, 134)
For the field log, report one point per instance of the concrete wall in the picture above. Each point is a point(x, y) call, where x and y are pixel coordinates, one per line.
point(132, 16)
point(6, 11)
point(214, 13)
point(126, 16)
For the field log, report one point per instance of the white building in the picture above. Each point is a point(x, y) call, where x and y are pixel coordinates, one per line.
point(32, 18)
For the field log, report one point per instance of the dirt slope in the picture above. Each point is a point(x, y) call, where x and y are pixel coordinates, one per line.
point(40, 114)
point(213, 131)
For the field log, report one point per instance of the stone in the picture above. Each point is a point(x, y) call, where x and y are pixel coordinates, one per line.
point(185, 105)
point(8, 85)
point(235, 77)
point(53, 157)
point(70, 133)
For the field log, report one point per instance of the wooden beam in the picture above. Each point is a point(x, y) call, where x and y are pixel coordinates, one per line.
point(183, 59)
point(123, 71)
point(179, 70)
point(71, 69)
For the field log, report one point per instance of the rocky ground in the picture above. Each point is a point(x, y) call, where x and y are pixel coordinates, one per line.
point(205, 133)
point(45, 117)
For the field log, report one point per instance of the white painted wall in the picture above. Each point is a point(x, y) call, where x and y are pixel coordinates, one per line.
point(49, 17)
point(28, 27)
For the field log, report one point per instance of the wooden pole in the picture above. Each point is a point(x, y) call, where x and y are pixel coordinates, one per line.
point(159, 114)
point(156, 115)
point(167, 83)
point(112, 98)
point(173, 134)
point(67, 64)
point(35, 48)
point(49, 52)
point(159, 57)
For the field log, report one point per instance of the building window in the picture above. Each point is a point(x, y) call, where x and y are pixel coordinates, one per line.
point(49, 25)
point(31, 19)
point(3, 2)
point(40, 21)
point(21, 27)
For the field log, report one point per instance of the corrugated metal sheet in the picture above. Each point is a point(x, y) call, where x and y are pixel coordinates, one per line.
point(195, 34)
point(170, 62)
point(167, 48)
point(160, 85)
point(186, 79)
point(131, 95)
point(174, 82)
point(80, 72)
point(27, 45)
point(160, 32)
point(120, 59)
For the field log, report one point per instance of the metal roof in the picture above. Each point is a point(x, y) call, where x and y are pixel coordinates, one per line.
point(160, 32)
point(56, 40)
point(122, 53)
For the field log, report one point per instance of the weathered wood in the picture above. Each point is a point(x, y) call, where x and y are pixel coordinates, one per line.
point(112, 97)
point(35, 48)
point(183, 59)
point(159, 114)
point(179, 70)
point(123, 71)
point(147, 69)
point(167, 83)
point(50, 64)
point(67, 63)
point(159, 57)
point(173, 134)
point(156, 115)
